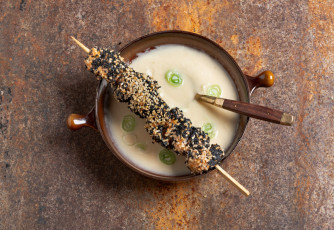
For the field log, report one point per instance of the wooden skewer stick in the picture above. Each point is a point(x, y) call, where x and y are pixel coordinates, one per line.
point(81, 45)
point(233, 181)
point(224, 173)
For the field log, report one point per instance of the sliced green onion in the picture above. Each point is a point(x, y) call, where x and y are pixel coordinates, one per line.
point(209, 129)
point(128, 123)
point(166, 156)
point(141, 146)
point(214, 90)
point(174, 78)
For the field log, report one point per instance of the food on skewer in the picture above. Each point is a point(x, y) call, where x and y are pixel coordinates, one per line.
point(193, 158)
point(166, 125)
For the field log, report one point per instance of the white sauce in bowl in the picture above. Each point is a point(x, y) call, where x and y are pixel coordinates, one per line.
point(198, 71)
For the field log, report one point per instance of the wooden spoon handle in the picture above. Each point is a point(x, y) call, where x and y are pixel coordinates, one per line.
point(259, 112)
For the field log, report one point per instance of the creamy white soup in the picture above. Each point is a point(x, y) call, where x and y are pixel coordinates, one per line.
point(181, 72)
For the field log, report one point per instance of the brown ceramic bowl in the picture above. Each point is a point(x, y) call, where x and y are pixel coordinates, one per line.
point(244, 84)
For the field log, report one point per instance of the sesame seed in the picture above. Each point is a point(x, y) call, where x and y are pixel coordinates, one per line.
point(165, 125)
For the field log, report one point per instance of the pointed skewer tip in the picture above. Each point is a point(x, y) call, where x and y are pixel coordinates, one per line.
point(235, 183)
point(82, 46)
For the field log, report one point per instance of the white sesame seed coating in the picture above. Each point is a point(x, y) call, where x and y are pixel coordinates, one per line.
point(165, 125)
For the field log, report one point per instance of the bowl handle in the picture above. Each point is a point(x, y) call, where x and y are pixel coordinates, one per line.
point(264, 79)
point(77, 121)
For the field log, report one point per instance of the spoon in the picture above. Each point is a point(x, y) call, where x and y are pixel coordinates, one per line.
point(251, 110)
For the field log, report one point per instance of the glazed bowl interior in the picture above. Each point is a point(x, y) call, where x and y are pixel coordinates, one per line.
point(142, 44)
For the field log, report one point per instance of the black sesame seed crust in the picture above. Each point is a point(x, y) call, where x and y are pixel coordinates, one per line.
point(165, 125)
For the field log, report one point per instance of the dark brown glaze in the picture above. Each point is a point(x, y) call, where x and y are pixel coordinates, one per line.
point(264, 79)
point(77, 121)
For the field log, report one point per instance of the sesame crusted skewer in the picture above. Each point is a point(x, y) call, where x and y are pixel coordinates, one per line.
point(166, 125)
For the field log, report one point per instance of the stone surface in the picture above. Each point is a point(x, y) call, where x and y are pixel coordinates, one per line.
point(52, 178)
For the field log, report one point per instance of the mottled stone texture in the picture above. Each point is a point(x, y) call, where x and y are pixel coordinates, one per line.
point(52, 178)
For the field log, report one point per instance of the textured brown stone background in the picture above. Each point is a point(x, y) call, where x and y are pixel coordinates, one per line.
point(52, 178)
